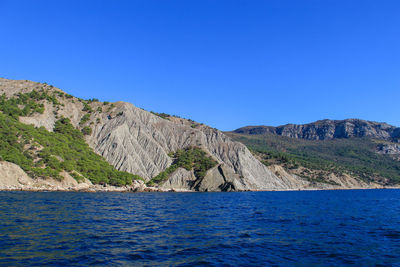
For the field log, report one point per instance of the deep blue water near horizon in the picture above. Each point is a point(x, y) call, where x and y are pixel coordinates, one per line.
point(349, 227)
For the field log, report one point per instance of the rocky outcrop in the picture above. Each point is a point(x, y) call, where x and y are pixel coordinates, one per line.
point(329, 129)
point(137, 141)
point(388, 149)
point(333, 181)
point(13, 87)
point(181, 180)
point(393, 150)
point(14, 178)
point(219, 178)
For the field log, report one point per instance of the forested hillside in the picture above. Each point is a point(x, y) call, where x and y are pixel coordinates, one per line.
point(315, 159)
point(41, 153)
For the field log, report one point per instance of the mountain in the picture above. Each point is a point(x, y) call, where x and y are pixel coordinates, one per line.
point(50, 140)
point(329, 129)
point(129, 138)
point(365, 150)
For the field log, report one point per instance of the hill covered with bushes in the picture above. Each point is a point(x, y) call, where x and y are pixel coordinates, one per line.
point(41, 153)
point(315, 156)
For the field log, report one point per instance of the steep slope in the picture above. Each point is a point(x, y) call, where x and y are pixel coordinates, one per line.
point(329, 129)
point(168, 152)
point(60, 154)
point(350, 148)
point(138, 142)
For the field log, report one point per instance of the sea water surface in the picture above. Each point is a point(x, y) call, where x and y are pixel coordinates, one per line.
point(351, 227)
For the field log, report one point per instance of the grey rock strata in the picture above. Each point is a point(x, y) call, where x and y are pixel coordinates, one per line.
point(329, 129)
point(137, 141)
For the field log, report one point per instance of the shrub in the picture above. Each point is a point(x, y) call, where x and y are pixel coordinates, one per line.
point(86, 107)
point(84, 119)
point(87, 130)
point(191, 158)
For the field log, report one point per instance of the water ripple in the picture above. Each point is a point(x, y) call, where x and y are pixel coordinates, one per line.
point(209, 229)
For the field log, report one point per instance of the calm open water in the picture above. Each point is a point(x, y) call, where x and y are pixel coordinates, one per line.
point(354, 227)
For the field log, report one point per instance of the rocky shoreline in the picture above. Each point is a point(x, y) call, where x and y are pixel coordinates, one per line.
point(94, 189)
point(142, 189)
point(13, 178)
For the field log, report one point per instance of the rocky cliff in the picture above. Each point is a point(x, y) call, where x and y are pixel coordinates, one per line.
point(330, 151)
point(138, 142)
point(329, 129)
point(141, 143)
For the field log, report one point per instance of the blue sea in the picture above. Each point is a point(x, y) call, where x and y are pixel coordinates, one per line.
point(301, 228)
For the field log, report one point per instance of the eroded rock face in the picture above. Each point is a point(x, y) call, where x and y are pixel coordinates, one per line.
point(329, 129)
point(220, 178)
point(390, 149)
point(12, 177)
point(181, 179)
point(137, 141)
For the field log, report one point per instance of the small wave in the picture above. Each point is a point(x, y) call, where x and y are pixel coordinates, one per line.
point(244, 235)
point(392, 234)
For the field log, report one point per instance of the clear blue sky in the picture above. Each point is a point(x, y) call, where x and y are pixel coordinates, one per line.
point(224, 63)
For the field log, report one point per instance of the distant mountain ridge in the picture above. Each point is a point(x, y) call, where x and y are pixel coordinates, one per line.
point(328, 130)
point(366, 150)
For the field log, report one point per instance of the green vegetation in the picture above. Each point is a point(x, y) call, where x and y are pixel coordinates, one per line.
point(189, 158)
point(161, 115)
point(84, 119)
point(45, 154)
point(61, 94)
point(354, 156)
point(86, 130)
point(91, 100)
point(110, 107)
point(26, 104)
point(87, 107)
point(41, 153)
